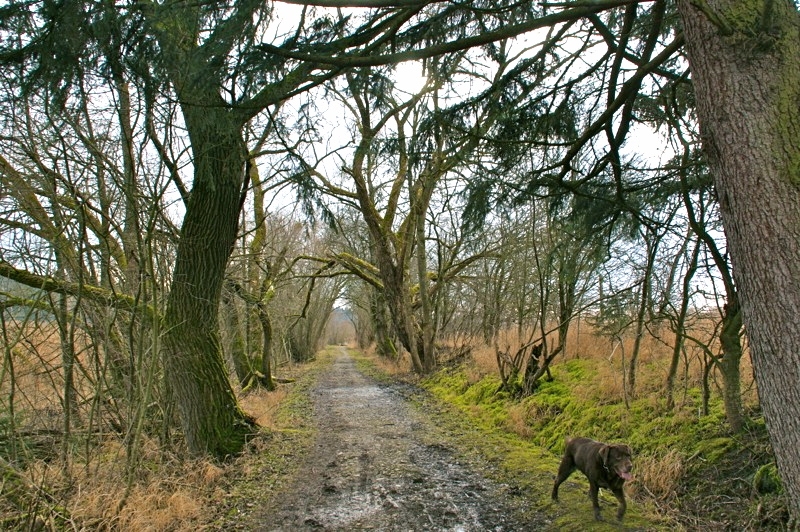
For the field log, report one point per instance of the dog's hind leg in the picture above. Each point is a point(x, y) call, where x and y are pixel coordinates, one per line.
point(564, 471)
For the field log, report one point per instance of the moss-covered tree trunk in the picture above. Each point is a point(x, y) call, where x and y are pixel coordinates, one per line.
point(266, 348)
point(236, 345)
point(212, 421)
point(392, 258)
point(745, 61)
point(730, 339)
point(384, 341)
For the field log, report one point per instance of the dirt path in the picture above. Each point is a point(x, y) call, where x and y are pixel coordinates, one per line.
point(378, 464)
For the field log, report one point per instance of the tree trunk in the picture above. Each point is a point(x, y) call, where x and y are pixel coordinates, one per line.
point(679, 324)
point(384, 342)
point(567, 286)
point(731, 342)
point(730, 338)
point(426, 321)
point(65, 333)
point(131, 231)
point(746, 74)
point(236, 344)
point(211, 418)
point(398, 301)
point(644, 303)
point(266, 349)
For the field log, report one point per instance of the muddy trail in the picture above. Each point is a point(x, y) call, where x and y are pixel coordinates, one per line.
point(378, 463)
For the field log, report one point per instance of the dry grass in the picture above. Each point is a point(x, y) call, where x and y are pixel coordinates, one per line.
point(166, 493)
point(522, 416)
point(398, 367)
point(658, 476)
point(163, 493)
point(98, 490)
point(263, 405)
point(484, 361)
point(612, 359)
point(611, 356)
point(36, 366)
point(99, 495)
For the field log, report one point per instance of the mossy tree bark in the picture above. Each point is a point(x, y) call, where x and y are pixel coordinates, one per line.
point(730, 339)
point(211, 419)
point(264, 319)
point(746, 73)
point(384, 341)
point(235, 344)
point(210, 416)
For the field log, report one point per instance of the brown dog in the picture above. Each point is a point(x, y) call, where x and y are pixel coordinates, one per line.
point(605, 465)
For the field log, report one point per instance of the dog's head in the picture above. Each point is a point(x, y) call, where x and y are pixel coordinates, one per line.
point(617, 458)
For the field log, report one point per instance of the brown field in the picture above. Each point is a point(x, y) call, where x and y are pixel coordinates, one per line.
point(94, 477)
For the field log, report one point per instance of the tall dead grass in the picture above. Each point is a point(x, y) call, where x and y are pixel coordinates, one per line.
point(101, 494)
point(162, 493)
point(95, 485)
point(263, 405)
point(658, 476)
point(611, 358)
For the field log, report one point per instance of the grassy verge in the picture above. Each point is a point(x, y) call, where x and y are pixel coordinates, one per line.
point(690, 471)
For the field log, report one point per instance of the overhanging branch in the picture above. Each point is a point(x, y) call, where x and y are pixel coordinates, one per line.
point(362, 3)
point(347, 60)
point(90, 292)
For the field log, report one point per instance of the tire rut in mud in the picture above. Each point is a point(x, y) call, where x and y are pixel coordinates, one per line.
point(378, 464)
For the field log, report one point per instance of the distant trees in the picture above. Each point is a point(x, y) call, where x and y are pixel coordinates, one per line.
point(400, 157)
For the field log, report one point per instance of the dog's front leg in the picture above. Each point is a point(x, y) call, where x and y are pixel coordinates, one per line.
point(620, 495)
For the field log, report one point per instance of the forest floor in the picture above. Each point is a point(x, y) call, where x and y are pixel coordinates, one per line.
point(377, 455)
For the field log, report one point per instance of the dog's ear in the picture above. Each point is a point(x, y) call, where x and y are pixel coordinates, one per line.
point(604, 453)
point(626, 449)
